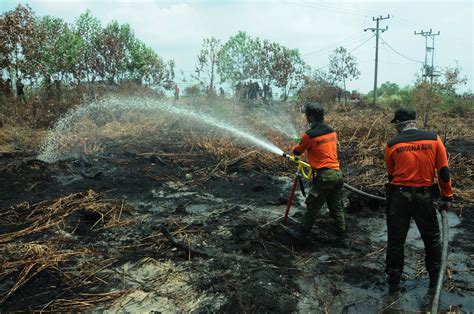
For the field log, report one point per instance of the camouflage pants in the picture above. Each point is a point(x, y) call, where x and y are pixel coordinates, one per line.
point(403, 207)
point(327, 188)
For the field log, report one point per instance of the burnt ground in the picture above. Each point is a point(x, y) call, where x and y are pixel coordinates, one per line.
point(225, 251)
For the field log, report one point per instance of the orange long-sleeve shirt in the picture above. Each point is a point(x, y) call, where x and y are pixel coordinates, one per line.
point(413, 156)
point(320, 145)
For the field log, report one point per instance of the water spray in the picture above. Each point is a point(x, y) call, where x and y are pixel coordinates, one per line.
point(51, 149)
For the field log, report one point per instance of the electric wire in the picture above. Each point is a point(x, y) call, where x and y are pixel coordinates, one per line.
point(399, 53)
point(352, 50)
point(412, 25)
point(347, 39)
point(326, 5)
point(362, 43)
point(350, 43)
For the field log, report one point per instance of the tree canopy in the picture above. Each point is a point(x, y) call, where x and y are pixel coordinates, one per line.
point(244, 58)
point(46, 48)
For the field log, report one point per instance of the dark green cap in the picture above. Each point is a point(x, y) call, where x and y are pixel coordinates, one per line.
point(403, 114)
point(314, 109)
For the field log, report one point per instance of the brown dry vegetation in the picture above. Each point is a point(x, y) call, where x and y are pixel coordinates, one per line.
point(362, 134)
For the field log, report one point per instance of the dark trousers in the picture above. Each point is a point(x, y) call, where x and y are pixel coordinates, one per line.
point(403, 207)
point(327, 188)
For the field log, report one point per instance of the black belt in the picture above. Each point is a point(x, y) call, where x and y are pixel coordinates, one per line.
point(412, 189)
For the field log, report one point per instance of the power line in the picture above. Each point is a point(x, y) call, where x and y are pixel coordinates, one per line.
point(410, 25)
point(319, 5)
point(338, 7)
point(362, 43)
point(398, 53)
point(352, 38)
point(347, 44)
point(353, 8)
point(363, 12)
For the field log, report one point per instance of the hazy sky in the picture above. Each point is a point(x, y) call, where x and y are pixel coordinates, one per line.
point(175, 29)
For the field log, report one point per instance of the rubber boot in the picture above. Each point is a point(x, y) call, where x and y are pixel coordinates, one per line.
point(433, 279)
point(394, 281)
point(299, 234)
point(341, 241)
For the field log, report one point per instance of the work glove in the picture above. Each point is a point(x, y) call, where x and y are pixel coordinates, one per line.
point(445, 205)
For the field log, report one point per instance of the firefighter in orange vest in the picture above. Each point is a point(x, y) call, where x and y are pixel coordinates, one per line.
point(320, 145)
point(412, 159)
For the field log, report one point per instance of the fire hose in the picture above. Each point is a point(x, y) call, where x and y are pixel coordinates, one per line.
point(304, 170)
point(444, 257)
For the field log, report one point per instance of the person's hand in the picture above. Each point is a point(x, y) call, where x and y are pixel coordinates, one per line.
point(445, 205)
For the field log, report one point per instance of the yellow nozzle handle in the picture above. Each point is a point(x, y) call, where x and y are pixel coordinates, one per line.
point(303, 168)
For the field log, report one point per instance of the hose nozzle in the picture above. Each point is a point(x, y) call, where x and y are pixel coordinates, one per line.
point(291, 157)
point(303, 168)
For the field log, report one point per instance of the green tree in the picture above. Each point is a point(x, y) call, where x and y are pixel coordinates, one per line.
point(46, 46)
point(428, 97)
point(146, 66)
point(451, 80)
point(207, 64)
point(288, 69)
point(16, 29)
point(388, 89)
point(88, 28)
point(262, 70)
point(343, 67)
point(406, 95)
point(112, 44)
point(319, 87)
point(236, 58)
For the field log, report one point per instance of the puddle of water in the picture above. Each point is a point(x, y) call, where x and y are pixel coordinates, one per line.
point(316, 294)
point(364, 289)
point(200, 208)
point(413, 236)
point(148, 206)
point(67, 179)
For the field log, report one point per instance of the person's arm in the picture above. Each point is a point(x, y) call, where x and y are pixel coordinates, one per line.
point(442, 168)
point(389, 163)
point(302, 146)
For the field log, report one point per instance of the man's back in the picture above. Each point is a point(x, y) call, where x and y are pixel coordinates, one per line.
point(412, 158)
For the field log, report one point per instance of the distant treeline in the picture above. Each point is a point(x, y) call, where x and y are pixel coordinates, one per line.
point(47, 52)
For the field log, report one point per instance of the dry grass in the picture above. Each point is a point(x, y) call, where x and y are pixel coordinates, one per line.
point(16, 138)
point(26, 251)
point(362, 134)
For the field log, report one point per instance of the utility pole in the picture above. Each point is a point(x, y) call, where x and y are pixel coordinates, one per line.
point(429, 70)
point(376, 30)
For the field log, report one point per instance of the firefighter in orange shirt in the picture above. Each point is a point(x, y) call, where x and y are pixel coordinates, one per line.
point(412, 159)
point(320, 145)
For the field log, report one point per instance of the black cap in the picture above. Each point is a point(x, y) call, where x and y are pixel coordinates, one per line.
point(314, 109)
point(403, 114)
